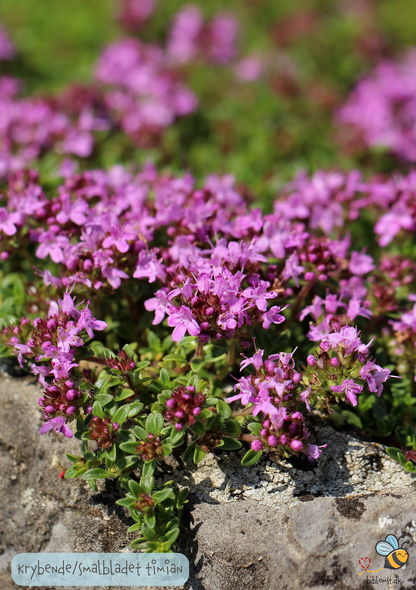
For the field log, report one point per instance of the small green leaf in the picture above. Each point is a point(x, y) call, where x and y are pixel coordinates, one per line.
point(121, 414)
point(174, 357)
point(74, 471)
point(199, 454)
point(134, 527)
point(402, 459)
point(255, 428)
point(176, 437)
point(197, 364)
point(151, 426)
point(150, 520)
point(393, 452)
point(135, 488)
point(111, 455)
point(230, 444)
point(97, 410)
point(124, 394)
point(164, 378)
point(163, 495)
point(170, 537)
point(129, 447)
point(251, 457)
point(96, 473)
point(73, 458)
point(223, 409)
point(103, 398)
point(142, 365)
point(139, 432)
point(135, 408)
point(189, 453)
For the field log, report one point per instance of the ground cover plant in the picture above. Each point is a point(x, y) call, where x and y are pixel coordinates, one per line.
point(172, 293)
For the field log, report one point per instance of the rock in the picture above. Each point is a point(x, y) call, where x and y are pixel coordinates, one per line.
point(315, 545)
point(275, 525)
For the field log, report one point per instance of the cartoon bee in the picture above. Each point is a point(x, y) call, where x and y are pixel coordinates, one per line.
point(395, 557)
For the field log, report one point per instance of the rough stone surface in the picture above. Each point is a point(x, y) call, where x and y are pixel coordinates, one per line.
point(276, 525)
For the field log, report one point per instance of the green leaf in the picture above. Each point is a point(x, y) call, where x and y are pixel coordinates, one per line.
point(142, 365)
point(135, 408)
point(194, 380)
point(112, 453)
point(129, 447)
point(197, 364)
point(251, 457)
point(97, 410)
point(151, 426)
point(393, 453)
point(232, 427)
point(121, 414)
point(170, 537)
point(163, 495)
point(230, 444)
point(147, 481)
point(150, 520)
point(150, 534)
point(176, 437)
point(74, 471)
point(199, 454)
point(101, 384)
point(73, 458)
point(124, 394)
point(402, 459)
point(189, 453)
point(223, 409)
point(255, 428)
point(135, 527)
point(353, 419)
point(139, 432)
point(135, 488)
point(164, 378)
point(174, 357)
point(103, 398)
point(127, 502)
point(96, 473)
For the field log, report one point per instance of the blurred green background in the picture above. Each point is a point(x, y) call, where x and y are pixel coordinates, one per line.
point(262, 131)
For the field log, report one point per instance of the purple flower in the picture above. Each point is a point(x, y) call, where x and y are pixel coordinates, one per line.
point(57, 424)
point(350, 388)
point(360, 263)
point(184, 321)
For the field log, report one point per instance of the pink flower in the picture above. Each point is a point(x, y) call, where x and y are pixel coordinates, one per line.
point(57, 424)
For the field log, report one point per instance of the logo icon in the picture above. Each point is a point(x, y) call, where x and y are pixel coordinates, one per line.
point(396, 557)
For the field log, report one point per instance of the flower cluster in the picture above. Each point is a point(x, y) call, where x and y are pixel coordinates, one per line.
point(184, 406)
point(53, 340)
point(273, 389)
point(341, 367)
point(382, 108)
point(191, 38)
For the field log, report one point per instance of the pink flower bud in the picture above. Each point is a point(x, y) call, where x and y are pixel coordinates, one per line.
point(296, 445)
point(311, 360)
point(178, 426)
point(49, 409)
point(87, 265)
point(70, 410)
point(41, 402)
point(170, 403)
point(272, 441)
point(256, 445)
point(71, 394)
point(323, 277)
point(196, 411)
point(309, 276)
point(115, 426)
point(179, 414)
point(89, 409)
point(4, 255)
point(334, 362)
point(283, 439)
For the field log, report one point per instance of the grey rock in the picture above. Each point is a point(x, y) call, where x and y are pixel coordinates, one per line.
point(275, 525)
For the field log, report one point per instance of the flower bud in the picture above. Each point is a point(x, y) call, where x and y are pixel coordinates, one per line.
point(256, 445)
point(296, 445)
point(272, 441)
point(311, 360)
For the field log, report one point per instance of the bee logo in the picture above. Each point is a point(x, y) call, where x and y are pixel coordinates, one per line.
point(396, 557)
